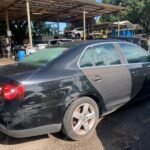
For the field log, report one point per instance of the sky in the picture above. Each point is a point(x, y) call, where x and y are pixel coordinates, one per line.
point(62, 26)
point(99, 1)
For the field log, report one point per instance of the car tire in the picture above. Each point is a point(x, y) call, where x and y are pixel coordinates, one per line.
point(78, 36)
point(2, 136)
point(81, 119)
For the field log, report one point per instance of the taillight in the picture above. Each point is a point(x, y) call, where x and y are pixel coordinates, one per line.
point(12, 91)
point(1, 89)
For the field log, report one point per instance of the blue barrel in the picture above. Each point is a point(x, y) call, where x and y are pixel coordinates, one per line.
point(21, 55)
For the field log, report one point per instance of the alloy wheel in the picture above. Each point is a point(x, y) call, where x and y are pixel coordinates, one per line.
point(83, 119)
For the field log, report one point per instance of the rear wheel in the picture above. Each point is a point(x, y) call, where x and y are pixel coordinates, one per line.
point(81, 118)
point(2, 136)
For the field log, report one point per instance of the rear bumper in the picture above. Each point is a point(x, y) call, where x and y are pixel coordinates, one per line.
point(31, 132)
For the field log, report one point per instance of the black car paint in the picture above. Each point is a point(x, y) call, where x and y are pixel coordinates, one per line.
point(140, 74)
point(50, 90)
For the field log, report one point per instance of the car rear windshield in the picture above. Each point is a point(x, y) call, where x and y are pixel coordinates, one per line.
point(42, 57)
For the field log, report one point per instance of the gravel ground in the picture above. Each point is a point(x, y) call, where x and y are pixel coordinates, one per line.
point(126, 129)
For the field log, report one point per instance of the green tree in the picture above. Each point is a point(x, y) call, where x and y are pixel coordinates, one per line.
point(136, 11)
point(68, 26)
point(146, 16)
point(41, 28)
point(20, 30)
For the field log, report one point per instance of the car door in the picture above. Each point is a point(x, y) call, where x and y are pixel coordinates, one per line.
point(109, 75)
point(139, 66)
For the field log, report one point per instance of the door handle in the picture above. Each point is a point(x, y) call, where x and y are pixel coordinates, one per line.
point(97, 78)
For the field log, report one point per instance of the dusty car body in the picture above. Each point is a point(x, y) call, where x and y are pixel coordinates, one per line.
point(101, 70)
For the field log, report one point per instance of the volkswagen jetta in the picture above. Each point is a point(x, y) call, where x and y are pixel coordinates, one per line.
point(70, 87)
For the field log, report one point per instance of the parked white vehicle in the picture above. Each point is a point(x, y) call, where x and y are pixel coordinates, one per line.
point(41, 46)
point(30, 51)
point(76, 33)
point(58, 41)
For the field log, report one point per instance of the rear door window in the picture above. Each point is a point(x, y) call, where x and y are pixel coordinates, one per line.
point(86, 59)
point(106, 54)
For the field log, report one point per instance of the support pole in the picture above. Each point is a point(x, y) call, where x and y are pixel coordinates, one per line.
point(8, 33)
point(84, 25)
point(92, 24)
point(119, 21)
point(58, 26)
point(118, 25)
point(7, 20)
point(29, 22)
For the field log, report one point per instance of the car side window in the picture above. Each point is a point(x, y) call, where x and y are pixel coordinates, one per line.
point(134, 54)
point(86, 59)
point(105, 54)
point(80, 29)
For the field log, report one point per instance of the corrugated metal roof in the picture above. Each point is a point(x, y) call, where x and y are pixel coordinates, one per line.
point(52, 10)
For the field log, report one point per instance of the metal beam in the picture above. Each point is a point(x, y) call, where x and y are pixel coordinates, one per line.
point(9, 6)
point(93, 3)
point(84, 25)
point(99, 10)
point(119, 22)
point(29, 22)
point(66, 11)
point(118, 26)
point(7, 20)
point(58, 26)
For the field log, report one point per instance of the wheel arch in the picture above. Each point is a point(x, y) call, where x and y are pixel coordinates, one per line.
point(98, 102)
point(97, 98)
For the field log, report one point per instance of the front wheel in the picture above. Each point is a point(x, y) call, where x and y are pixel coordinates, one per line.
point(81, 118)
point(78, 36)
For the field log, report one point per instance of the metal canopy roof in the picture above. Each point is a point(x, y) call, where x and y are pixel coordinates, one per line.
point(52, 10)
point(107, 25)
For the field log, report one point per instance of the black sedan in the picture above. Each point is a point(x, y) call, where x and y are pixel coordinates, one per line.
point(70, 87)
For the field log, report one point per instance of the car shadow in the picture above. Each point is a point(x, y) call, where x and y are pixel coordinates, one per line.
point(127, 128)
point(6, 140)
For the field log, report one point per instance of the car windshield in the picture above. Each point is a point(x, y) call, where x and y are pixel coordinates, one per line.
point(43, 57)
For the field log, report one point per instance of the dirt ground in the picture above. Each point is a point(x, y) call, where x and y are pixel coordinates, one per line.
point(126, 129)
point(5, 61)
